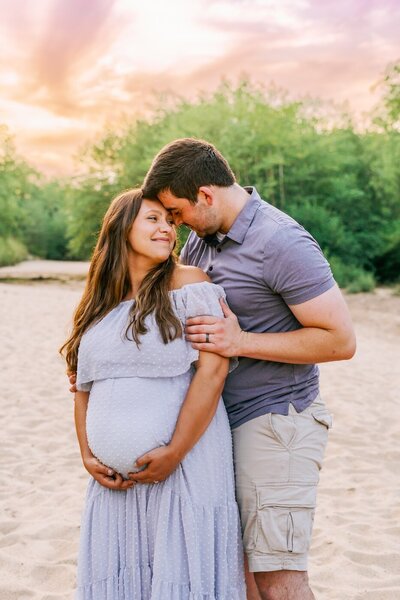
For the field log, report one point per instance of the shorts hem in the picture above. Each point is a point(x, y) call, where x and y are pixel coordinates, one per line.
point(271, 563)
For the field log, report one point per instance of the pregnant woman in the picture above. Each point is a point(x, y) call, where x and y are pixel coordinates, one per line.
point(147, 400)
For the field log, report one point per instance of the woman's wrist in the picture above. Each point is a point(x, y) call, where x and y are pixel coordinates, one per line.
point(176, 451)
point(87, 456)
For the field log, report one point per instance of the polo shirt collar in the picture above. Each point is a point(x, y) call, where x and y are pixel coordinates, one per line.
point(243, 221)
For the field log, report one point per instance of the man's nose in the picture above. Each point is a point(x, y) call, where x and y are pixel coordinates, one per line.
point(177, 220)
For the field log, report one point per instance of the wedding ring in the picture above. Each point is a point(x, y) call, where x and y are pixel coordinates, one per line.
point(207, 338)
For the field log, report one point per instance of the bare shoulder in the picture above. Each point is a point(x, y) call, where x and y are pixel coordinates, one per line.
point(185, 274)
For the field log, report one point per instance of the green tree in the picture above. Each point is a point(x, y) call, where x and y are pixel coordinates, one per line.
point(341, 184)
point(16, 184)
point(44, 230)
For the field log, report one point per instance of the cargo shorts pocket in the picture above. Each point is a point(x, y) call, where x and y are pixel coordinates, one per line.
point(285, 516)
point(323, 417)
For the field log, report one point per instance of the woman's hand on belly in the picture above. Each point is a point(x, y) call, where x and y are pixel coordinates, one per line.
point(105, 476)
point(159, 462)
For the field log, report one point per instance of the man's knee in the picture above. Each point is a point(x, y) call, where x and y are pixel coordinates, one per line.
point(283, 585)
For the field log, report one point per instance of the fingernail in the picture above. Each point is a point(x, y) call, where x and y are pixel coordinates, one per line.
point(110, 472)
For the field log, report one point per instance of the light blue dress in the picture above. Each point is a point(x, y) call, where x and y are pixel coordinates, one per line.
point(178, 539)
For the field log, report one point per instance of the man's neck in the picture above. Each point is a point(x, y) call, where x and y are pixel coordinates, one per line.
point(232, 202)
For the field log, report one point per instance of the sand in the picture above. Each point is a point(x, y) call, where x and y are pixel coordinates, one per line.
point(356, 545)
point(45, 269)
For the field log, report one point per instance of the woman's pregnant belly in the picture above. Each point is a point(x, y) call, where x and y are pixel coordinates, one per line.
point(127, 417)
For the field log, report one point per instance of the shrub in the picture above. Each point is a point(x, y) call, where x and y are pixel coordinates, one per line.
point(363, 282)
point(12, 251)
point(351, 277)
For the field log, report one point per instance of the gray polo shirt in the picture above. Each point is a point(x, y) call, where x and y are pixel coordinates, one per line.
point(266, 262)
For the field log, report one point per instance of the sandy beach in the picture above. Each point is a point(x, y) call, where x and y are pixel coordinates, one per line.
point(356, 545)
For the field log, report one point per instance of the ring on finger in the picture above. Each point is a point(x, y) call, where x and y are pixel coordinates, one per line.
point(207, 338)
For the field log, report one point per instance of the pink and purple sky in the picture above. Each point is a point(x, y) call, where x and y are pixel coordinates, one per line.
point(70, 67)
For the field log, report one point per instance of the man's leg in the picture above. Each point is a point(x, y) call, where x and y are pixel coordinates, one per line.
point(277, 463)
point(284, 585)
point(251, 586)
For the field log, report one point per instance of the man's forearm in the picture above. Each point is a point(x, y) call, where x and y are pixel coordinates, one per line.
point(308, 345)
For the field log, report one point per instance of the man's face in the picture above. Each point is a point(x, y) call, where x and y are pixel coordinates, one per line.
point(201, 217)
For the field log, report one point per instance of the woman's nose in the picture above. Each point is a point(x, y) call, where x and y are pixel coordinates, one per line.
point(165, 226)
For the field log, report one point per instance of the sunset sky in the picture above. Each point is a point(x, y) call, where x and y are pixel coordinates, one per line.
point(69, 67)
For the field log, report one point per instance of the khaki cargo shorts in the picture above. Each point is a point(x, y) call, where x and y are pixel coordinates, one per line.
point(277, 463)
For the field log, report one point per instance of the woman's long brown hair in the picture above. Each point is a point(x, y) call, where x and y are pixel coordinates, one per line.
point(108, 282)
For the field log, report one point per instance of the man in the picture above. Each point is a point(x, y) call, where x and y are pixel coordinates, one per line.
point(287, 314)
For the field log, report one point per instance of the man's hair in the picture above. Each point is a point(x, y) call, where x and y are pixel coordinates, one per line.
point(183, 166)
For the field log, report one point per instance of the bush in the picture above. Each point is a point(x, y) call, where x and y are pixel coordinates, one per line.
point(387, 265)
point(353, 278)
point(363, 282)
point(12, 251)
point(44, 227)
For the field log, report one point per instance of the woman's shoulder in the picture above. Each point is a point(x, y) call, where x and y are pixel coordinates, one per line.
point(185, 274)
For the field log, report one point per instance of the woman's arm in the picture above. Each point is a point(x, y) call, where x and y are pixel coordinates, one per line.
point(196, 414)
point(102, 474)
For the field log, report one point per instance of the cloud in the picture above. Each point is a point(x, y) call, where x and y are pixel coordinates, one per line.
point(67, 68)
point(73, 32)
point(54, 50)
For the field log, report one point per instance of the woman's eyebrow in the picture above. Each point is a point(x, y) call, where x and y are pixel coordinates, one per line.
point(154, 210)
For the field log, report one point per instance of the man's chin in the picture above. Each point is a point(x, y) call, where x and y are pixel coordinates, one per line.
point(204, 235)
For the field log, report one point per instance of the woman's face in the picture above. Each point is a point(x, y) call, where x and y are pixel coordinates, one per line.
point(152, 234)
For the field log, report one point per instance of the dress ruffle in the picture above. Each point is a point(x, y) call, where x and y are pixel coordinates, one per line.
point(139, 564)
point(106, 353)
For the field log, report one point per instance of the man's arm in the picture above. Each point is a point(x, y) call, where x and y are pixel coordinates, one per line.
point(327, 334)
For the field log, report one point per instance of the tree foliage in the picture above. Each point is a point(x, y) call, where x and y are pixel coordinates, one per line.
point(33, 215)
point(343, 185)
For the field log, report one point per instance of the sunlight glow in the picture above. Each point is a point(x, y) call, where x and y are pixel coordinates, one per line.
point(72, 67)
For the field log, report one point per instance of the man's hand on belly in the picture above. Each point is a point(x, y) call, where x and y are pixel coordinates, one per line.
point(159, 462)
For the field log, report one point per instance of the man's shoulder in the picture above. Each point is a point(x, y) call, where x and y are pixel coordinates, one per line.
point(267, 212)
point(272, 225)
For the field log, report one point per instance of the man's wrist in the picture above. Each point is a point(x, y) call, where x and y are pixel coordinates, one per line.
point(243, 343)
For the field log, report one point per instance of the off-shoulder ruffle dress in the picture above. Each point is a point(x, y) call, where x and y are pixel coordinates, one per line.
point(175, 540)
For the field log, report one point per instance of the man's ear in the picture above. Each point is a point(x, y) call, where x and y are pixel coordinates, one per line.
point(206, 193)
